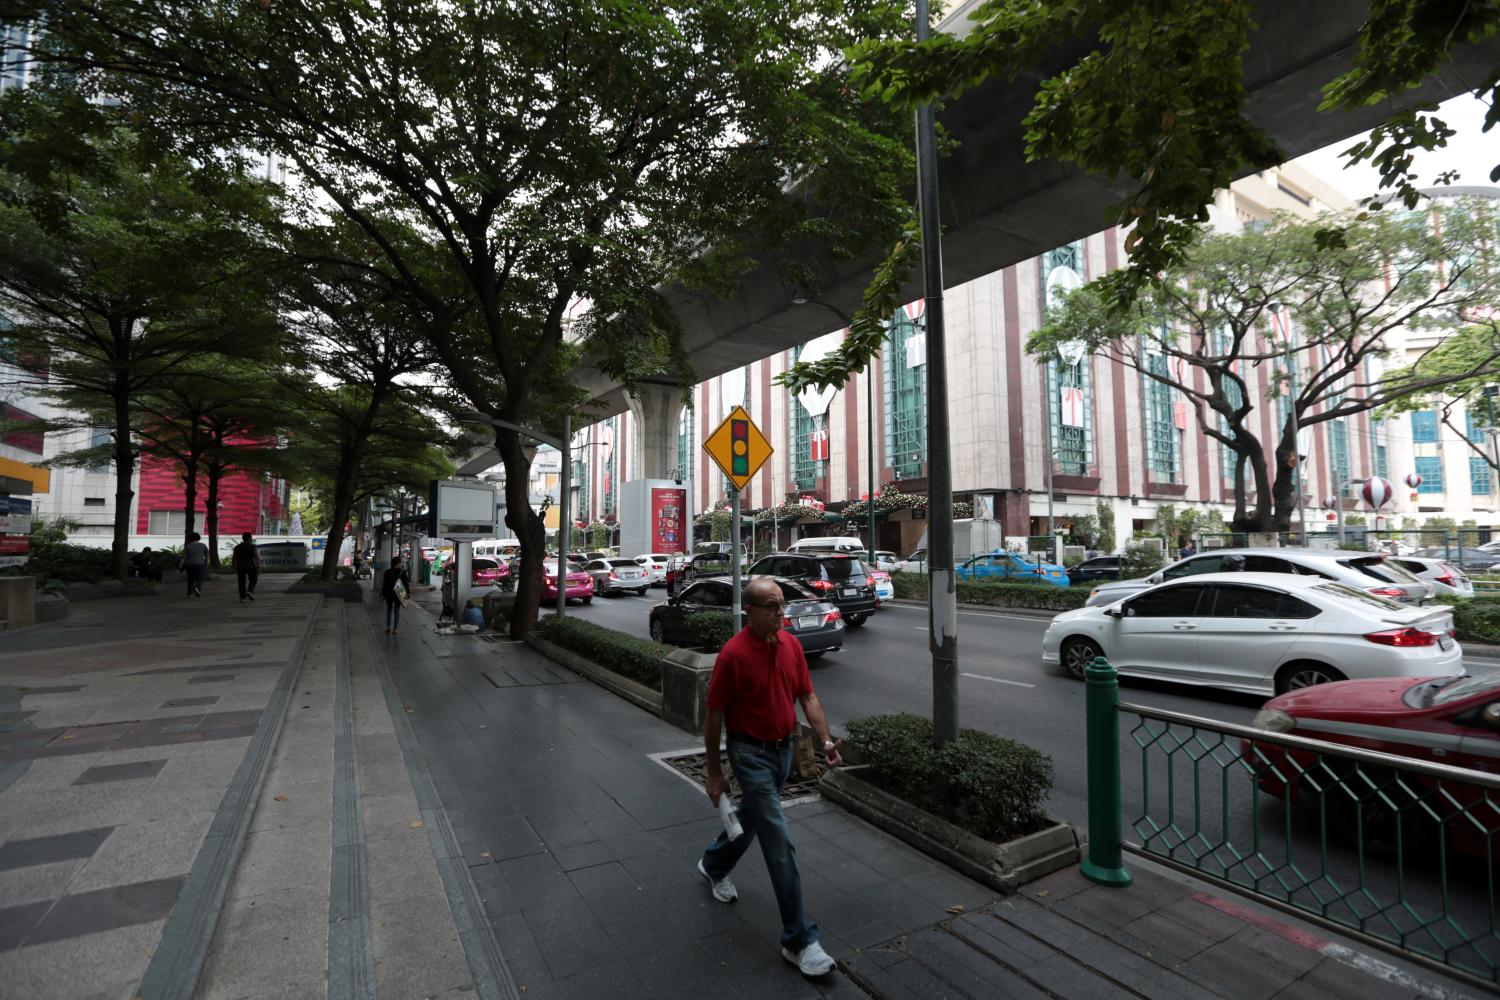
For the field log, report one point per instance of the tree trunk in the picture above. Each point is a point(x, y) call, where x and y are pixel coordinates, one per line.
point(215, 472)
point(530, 531)
point(344, 482)
point(189, 497)
point(124, 472)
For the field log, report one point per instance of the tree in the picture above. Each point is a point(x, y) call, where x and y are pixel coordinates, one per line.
point(118, 264)
point(1346, 283)
point(1456, 360)
point(561, 153)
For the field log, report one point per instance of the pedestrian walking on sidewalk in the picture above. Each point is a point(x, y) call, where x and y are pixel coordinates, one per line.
point(758, 679)
point(246, 558)
point(195, 564)
point(394, 586)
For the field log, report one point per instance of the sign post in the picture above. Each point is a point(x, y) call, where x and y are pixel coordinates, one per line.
point(739, 449)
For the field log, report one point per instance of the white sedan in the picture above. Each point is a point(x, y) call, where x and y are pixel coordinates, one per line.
point(655, 565)
point(1258, 632)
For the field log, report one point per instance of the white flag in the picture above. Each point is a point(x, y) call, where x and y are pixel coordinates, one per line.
point(916, 350)
point(1072, 406)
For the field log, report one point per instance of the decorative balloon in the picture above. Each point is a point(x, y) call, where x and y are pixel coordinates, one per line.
point(1414, 480)
point(1376, 492)
point(1330, 501)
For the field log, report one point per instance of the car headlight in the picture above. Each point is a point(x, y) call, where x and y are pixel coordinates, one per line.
point(1273, 720)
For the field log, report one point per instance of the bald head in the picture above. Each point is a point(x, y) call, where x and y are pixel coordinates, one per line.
point(764, 604)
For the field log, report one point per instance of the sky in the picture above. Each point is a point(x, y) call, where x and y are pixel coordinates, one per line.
point(1472, 152)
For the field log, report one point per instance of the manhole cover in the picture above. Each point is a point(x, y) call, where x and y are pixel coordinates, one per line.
point(694, 767)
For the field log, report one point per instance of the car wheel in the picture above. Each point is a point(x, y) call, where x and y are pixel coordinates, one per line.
point(587, 600)
point(1301, 675)
point(1077, 654)
point(855, 621)
point(658, 633)
point(640, 592)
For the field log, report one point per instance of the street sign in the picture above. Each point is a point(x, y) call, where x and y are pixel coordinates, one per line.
point(738, 447)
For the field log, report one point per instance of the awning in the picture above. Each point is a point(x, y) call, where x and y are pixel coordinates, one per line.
point(22, 479)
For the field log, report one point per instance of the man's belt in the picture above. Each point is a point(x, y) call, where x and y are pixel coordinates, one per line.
point(760, 744)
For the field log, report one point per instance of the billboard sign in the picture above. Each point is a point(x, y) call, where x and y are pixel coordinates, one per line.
point(462, 510)
point(668, 518)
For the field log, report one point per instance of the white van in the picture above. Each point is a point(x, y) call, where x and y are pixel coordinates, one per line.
point(836, 543)
point(498, 549)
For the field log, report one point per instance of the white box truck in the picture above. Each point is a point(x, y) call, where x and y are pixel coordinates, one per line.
point(971, 536)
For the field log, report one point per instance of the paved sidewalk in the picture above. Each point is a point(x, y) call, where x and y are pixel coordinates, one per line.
point(201, 798)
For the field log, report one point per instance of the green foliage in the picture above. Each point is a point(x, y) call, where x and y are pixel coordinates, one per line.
point(997, 788)
point(1140, 560)
point(1476, 619)
point(1106, 524)
point(1085, 531)
point(713, 629)
point(598, 535)
point(1437, 530)
point(69, 563)
point(997, 594)
point(48, 531)
point(719, 525)
point(626, 655)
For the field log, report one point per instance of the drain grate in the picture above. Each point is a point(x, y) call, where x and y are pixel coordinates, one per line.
point(694, 767)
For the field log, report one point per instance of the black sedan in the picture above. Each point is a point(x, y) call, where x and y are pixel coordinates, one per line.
point(1097, 568)
point(817, 624)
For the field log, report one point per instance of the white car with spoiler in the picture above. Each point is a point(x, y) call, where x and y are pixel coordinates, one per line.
point(1258, 632)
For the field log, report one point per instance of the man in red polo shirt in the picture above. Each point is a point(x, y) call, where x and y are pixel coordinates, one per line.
point(758, 678)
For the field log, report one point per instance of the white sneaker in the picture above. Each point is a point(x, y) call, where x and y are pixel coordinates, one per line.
point(723, 889)
point(812, 960)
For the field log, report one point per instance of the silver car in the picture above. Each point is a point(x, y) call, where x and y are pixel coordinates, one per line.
point(1447, 579)
point(1372, 572)
point(614, 576)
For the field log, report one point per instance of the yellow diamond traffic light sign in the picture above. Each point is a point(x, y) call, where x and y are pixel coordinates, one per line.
point(738, 447)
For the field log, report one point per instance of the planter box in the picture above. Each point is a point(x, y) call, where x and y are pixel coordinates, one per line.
point(684, 688)
point(349, 590)
point(633, 691)
point(131, 587)
point(1003, 867)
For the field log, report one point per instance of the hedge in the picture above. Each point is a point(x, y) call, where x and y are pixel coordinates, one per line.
point(626, 655)
point(713, 629)
point(997, 594)
point(998, 787)
point(1476, 619)
point(68, 563)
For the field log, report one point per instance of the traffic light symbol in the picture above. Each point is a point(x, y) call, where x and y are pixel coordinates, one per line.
point(739, 447)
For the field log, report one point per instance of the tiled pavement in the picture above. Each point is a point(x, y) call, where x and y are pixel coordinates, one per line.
point(441, 816)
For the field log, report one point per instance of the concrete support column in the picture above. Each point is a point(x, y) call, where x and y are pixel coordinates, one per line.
point(18, 601)
point(653, 431)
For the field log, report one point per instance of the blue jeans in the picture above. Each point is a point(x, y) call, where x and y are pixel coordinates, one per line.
point(195, 576)
point(392, 614)
point(761, 773)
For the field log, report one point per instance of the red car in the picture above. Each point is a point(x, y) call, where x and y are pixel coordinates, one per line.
point(488, 572)
point(579, 584)
point(1453, 721)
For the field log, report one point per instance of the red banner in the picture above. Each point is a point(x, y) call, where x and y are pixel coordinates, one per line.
point(14, 545)
point(668, 519)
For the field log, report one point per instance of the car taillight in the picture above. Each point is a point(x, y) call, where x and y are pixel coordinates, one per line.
point(1445, 579)
point(612, 576)
point(549, 580)
point(1388, 592)
point(1403, 637)
point(832, 616)
point(786, 622)
point(821, 585)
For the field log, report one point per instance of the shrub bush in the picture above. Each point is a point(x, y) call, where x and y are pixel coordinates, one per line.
point(626, 655)
point(998, 787)
point(1139, 560)
point(69, 563)
point(713, 629)
point(997, 594)
point(1477, 619)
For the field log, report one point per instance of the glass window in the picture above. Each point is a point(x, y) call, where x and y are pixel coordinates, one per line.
point(905, 387)
point(1232, 394)
point(1338, 440)
point(695, 594)
point(1339, 592)
point(166, 522)
point(1163, 450)
point(716, 594)
point(1070, 396)
point(1267, 564)
point(1236, 601)
point(804, 468)
point(1165, 602)
point(1479, 468)
point(1424, 427)
point(685, 450)
point(1430, 468)
point(1192, 567)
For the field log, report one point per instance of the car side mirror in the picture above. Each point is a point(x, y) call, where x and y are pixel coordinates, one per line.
point(1115, 612)
point(1154, 578)
point(1491, 715)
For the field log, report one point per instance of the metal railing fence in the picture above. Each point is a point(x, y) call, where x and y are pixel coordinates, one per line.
point(1397, 852)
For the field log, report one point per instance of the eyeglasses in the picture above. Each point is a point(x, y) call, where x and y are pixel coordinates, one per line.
point(772, 605)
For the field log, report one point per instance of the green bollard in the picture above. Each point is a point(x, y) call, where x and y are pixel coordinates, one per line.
point(1104, 863)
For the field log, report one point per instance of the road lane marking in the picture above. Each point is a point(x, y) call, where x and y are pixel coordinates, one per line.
point(998, 680)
